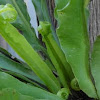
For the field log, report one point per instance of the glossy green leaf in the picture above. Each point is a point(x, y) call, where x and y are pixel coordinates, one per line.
point(95, 64)
point(56, 55)
point(28, 54)
point(11, 94)
point(9, 65)
point(73, 37)
point(23, 23)
point(7, 81)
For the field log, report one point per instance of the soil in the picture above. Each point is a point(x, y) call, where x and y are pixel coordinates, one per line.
point(79, 96)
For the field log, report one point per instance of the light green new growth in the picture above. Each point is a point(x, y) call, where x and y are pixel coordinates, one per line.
point(74, 85)
point(63, 93)
point(8, 12)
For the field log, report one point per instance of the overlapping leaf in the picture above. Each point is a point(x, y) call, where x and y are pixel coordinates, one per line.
point(43, 14)
point(17, 69)
point(7, 81)
point(23, 22)
point(28, 54)
point(56, 55)
point(73, 37)
point(10, 94)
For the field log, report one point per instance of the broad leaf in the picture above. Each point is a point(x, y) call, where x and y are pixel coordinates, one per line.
point(7, 81)
point(59, 5)
point(73, 37)
point(95, 64)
